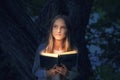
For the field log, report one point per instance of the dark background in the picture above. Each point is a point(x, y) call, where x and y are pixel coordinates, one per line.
point(24, 24)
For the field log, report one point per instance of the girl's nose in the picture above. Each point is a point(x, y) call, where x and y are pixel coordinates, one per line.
point(59, 30)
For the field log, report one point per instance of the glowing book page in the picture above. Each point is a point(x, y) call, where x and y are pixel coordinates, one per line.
point(56, 55)
point(48, 60)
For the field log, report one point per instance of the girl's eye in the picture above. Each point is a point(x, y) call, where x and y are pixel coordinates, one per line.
point(63, 27)
point(55, 26)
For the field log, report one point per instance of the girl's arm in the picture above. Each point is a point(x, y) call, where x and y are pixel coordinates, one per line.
point(36, 70)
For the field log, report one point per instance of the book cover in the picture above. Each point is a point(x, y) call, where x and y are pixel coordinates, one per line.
point(48, 60)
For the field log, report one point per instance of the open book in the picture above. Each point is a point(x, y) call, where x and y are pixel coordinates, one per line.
point(48, 60)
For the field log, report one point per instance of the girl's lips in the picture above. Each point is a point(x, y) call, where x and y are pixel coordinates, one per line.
point(58, 34)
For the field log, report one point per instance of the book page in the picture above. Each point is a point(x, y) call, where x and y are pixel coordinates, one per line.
point(56, 55)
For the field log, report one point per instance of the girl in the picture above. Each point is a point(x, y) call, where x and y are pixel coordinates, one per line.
point(58, 42)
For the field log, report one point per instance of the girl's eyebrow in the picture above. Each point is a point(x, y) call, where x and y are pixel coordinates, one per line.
point(63, 26)
point(54, 25)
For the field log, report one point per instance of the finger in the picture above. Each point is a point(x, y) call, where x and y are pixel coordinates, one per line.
point(64, 69)
point(59, 68)
point(56, 71)
point(59, 72)
point(54, 67)
point(63, 66)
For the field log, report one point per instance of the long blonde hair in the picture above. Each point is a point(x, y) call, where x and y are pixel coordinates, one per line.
point(67, 43)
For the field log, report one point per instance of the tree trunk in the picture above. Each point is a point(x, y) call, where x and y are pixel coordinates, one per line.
point(80, 16)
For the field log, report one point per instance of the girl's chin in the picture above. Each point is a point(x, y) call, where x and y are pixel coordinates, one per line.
point(59, 39)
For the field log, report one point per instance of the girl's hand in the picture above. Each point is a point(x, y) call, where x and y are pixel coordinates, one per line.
point(51, 72)
point(62, 70)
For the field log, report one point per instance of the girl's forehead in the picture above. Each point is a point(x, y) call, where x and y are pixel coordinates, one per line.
point(59, 21)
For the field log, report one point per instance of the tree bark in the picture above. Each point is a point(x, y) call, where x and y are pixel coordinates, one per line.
point(79, 15)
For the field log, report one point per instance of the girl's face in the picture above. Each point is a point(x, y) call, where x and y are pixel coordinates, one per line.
point(59, 29)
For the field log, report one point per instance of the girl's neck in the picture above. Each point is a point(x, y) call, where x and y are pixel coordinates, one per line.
point(58, 45)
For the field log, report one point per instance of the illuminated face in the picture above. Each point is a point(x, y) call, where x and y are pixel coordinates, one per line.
point(59, 29)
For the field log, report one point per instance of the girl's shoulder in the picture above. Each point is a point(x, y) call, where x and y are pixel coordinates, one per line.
point(41, 47)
